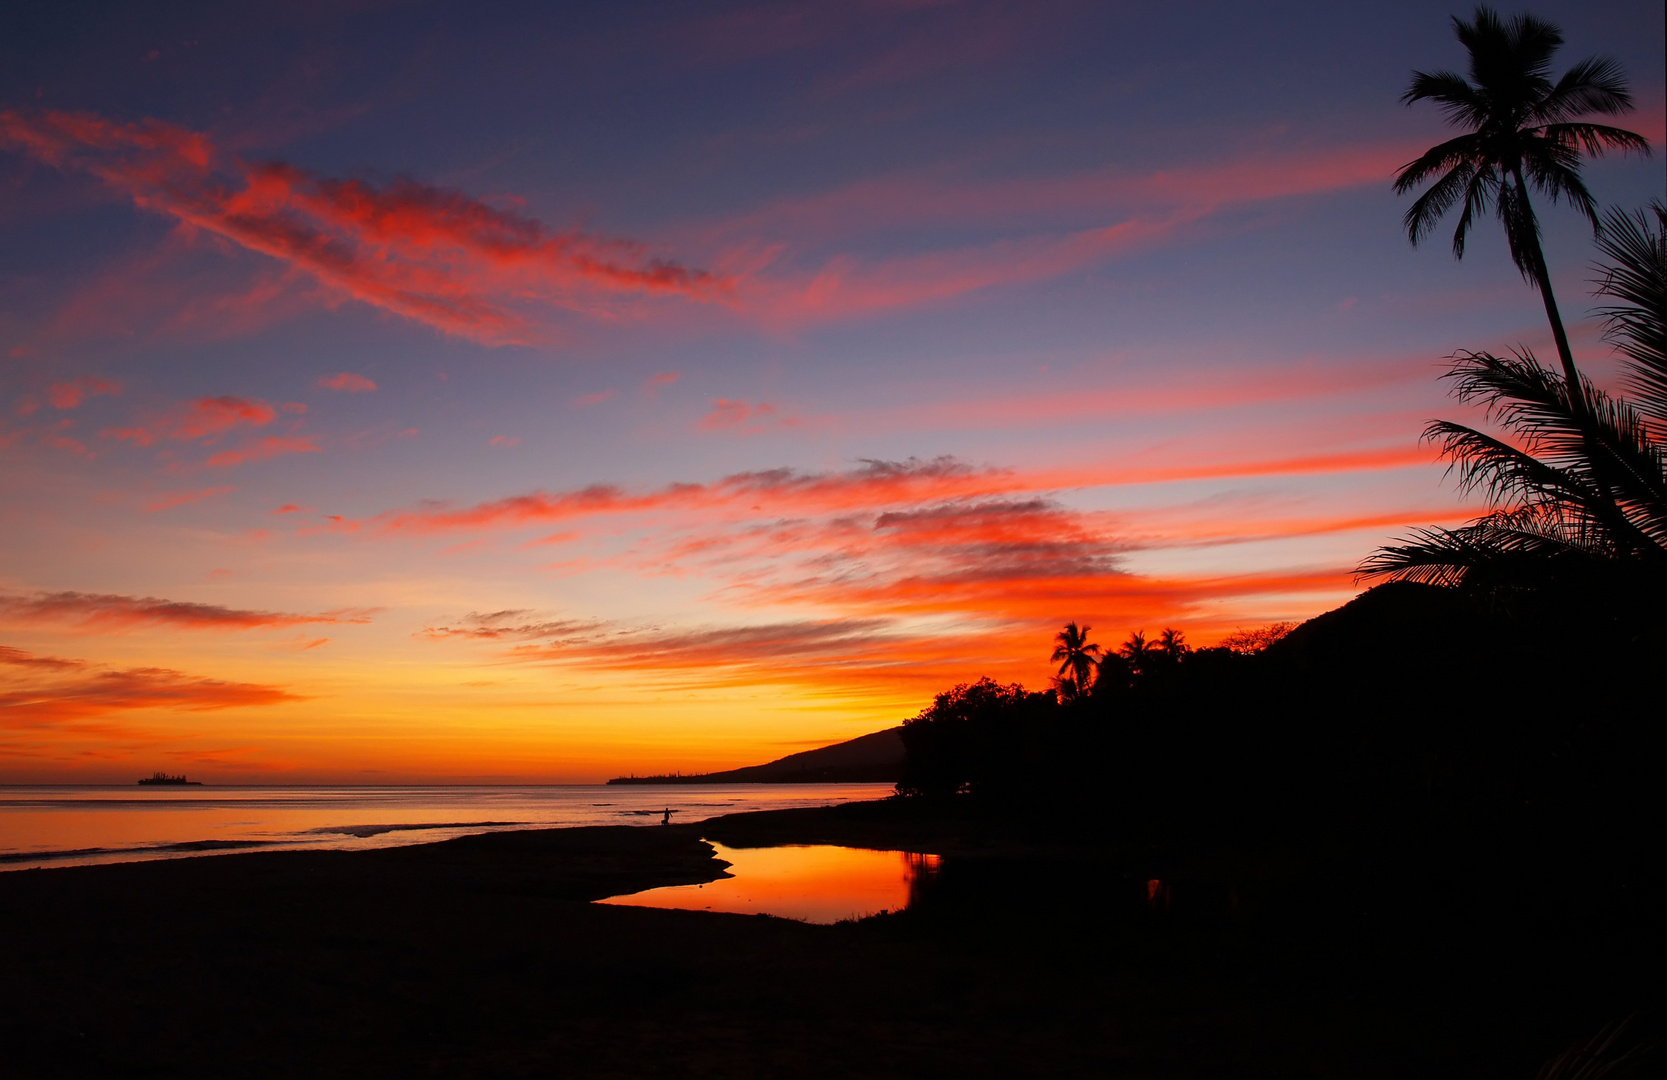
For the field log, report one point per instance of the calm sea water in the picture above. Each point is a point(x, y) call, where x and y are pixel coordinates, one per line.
point(816, 883)
point(61, 826)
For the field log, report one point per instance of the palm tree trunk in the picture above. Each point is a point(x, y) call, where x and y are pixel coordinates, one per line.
point(1542, 279)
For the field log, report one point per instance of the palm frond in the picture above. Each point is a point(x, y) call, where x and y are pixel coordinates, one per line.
point(1453, 153)
point(1593, 85)
point(1462, 103)
point(1636, 275)
point(1599, 463)
point(1596, 139)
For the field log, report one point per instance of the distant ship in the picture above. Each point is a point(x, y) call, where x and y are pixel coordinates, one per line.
point(176, 781)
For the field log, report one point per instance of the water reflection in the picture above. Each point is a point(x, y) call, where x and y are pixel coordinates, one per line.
point(816, 883)
point(60, 826)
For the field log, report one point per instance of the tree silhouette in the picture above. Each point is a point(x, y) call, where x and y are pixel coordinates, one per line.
point(1522, 132)
point(1138, 652)
point(1172, 643)
point(1077, 655)
point(1581, 490)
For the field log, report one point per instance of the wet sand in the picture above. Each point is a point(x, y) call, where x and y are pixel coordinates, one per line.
point(481, 957)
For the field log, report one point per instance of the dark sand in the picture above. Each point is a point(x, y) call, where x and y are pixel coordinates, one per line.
point(481, 957)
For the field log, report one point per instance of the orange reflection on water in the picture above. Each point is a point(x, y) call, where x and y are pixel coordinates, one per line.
point(817, 883)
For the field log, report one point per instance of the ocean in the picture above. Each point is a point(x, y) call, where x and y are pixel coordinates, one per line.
point(66, 826)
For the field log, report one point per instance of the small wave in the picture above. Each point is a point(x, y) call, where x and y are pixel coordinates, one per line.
point(182, 847)
point(363, 831)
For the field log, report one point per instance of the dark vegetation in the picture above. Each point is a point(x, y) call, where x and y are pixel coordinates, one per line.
point(1472, 750)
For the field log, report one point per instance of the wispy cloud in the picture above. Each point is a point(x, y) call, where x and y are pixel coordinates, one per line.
point(207, 421)
point(172, 499)
point(69, 395)
point(103, 612)
point(264, 449)
point(1035, 227)
point(205, 418)
point(869, 483)
point(42, 692)
point(347, 382)
point(869, 486)
point(741, 416)
point(429, 254)
point(512, 624)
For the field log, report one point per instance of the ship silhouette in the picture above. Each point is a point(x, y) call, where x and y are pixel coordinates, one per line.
point(176, 781)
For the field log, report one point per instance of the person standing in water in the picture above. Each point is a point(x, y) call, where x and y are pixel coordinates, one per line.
point(667, 819)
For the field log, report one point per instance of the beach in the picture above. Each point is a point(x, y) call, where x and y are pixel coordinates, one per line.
point(483, 955)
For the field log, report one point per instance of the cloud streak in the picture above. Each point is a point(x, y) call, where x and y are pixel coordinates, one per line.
point(106, 612)
point(429, 254)
point(1046, 225)
point(43, 692)
point(347, 382)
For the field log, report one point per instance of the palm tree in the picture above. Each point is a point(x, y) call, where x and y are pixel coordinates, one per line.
point(1581, 492)
point(1138, 652)
point(1077, 655)
point(1172, 643)
point(1522, 132)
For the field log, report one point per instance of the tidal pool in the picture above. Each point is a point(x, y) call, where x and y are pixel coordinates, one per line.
point(816, 883)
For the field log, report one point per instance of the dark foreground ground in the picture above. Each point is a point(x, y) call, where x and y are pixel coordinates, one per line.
point(482, 957)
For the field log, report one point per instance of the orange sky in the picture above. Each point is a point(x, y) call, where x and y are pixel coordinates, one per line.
point(670, 389)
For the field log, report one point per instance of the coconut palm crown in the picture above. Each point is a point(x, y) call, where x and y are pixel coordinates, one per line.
point(1522, 132)
point(1076, 654)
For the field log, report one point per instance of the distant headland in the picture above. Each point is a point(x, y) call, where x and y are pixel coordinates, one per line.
point(876, 758)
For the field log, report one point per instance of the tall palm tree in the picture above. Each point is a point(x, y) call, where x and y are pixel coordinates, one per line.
point(1522, 131)
point(1581, 492)
point(1172, 643)
point(1076, 654)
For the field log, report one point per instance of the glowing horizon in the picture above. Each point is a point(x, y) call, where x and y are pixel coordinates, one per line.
point(543, 398)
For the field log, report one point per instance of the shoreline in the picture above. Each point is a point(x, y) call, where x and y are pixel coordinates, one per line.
point(359, 819)
point(1028, 954)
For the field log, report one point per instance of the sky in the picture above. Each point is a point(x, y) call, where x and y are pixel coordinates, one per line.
point(495, 392)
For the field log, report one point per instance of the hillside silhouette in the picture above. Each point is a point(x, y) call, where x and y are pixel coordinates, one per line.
point(873, 758)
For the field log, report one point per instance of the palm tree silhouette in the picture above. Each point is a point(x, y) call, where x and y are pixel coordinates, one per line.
point(1521, 133)
point(1172, 643)
point(1580, 494)
point(1077, 655)
point(1137, 651)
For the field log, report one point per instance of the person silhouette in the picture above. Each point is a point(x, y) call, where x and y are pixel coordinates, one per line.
point(667, 819)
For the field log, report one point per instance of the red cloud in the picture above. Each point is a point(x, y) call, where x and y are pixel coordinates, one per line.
point(872, 483)
point(180, 498)
point(107, 612)
point(67, 395)
point(739, 415)
point(504, 442)
point(205, 418)
point(664, 378)
point(587, 400)
point(49, 691)
point(263, 450)
point(424, 253)
point(348, 382)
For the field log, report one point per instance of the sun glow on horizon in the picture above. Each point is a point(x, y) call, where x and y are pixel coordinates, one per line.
point(502, 423)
